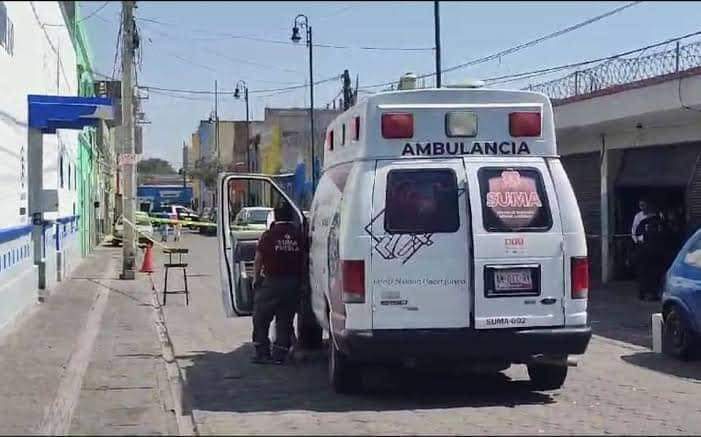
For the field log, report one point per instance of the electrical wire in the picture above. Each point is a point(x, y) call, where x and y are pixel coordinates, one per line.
point(176, 96)
point(543, 71)
point(519, 47)
point(116, 50)
point(229, 58)
point(339, 12)
point(334, 99)
point(261, 91)
point(103, 6)
point(188, 61)
point(223, 35)
point(543, 38)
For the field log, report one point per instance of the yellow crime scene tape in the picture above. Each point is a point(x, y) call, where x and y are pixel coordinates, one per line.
point(148, 237)
point(185, 222)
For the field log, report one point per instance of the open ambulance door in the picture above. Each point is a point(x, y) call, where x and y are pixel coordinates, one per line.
point(238, 233)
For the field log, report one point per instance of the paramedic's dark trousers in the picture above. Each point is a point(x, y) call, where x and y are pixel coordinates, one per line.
point(277, 297)
point(651, 268)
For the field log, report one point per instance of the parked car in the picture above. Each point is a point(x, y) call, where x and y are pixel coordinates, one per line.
point(209, 215)
point(179, 212)
point(681, 302)
point(143, 225)
point(251, 222)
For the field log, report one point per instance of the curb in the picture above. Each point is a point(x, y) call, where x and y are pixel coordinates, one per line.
point(181, 402)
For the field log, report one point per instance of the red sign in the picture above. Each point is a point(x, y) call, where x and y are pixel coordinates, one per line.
point(514, 198)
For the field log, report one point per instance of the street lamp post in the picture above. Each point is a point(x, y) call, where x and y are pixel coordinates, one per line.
point(237, 94)
point(302, 20)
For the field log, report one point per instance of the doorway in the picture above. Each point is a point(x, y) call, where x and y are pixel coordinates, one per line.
point(670, 201)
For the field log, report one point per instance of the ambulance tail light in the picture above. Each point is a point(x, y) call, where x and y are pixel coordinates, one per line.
point(353, 273)
point(580, 278)
point(397, 125)
point(524, 124)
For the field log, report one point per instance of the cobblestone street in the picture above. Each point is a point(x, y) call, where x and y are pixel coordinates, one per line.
point(619, 387)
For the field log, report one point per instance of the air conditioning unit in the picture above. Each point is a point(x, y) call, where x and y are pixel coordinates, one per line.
point(407, 81)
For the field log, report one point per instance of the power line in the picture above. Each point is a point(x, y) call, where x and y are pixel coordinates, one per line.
point(188, 61)
point(339, 12)
point(547, 70)
point(229, 58)
point(223, 35)
point(520, 46)
point(176, 96)
point(103, 6)
point(544, 38)
point(261, 91)
point(116, 50)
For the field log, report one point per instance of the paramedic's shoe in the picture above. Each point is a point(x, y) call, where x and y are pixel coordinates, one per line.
point(262, 356)
point(261, 359)
point(280, 355)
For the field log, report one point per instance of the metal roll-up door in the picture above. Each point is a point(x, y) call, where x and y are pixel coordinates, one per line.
point(585, 176)
point(659, 166)
point(693, 193)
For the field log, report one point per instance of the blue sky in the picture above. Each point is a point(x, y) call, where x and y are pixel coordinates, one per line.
point(194, 45)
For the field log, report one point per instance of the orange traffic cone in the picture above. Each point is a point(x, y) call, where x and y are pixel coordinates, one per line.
point(147, 266)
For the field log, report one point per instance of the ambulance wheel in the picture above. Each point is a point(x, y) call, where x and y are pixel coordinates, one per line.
point(547, 376)
point(344, 376)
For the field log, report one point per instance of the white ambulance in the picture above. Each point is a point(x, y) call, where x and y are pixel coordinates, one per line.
point(443, 231)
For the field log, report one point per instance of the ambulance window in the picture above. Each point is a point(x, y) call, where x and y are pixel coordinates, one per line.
point(514, 200)
point(421, 201)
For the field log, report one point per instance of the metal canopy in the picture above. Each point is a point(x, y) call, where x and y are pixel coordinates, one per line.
point(48, 113)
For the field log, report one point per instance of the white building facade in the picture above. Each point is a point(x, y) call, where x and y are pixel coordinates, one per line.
point(36, 57)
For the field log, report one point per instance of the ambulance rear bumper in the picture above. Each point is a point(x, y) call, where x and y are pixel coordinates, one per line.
point(513, 345)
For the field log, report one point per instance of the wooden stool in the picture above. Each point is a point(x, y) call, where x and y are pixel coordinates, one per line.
point(176, 265)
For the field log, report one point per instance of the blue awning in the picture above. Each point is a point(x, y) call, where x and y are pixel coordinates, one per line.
point(48, 113)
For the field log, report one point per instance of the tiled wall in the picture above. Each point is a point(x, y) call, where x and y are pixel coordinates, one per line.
point(18, 278)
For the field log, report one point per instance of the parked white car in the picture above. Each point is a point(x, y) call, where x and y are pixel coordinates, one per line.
point(143, 225)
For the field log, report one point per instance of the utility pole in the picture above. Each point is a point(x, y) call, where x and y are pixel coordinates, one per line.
point(248, 132)
point(437, 28)
point(347, 91)
point(216, 132)
point(129, 163)
point(302, 20)
point(311, 104)
point(216, 122)
point(185, 164)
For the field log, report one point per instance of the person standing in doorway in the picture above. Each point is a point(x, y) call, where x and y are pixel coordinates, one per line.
point(279, 269)
point(644, 213)
point(651, 258)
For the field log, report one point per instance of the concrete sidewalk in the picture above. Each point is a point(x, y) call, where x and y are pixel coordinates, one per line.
point(88, 360)
point(616, 312)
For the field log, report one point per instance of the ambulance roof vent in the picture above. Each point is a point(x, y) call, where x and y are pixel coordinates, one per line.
point(407, 81)
point(468, 84)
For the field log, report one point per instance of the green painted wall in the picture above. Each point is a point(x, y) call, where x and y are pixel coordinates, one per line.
point(87, 150)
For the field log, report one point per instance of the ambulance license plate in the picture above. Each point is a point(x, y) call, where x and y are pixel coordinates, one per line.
point(513, 280)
